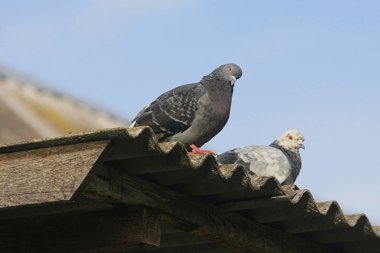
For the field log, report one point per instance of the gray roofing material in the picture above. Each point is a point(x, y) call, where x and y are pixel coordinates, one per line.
point(136, 152)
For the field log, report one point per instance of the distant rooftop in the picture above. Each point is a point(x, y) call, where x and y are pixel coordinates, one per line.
point(30, 110)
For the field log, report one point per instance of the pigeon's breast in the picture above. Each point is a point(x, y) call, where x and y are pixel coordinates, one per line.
point(220, 99)
point(209, 120)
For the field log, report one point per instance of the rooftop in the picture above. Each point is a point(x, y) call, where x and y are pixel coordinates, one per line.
point(30, 110)
point(119, 190)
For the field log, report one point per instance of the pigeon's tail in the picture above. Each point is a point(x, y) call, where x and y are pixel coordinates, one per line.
point(229, 157)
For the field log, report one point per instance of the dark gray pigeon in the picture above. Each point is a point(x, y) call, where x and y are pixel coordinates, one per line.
point(281, 159)
point(193, 113)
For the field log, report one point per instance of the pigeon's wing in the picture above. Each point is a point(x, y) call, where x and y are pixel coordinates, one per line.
point(172, 112)
point(267, 161)
point(261, 160)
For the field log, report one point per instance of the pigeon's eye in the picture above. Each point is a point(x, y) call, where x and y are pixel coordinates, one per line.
point(230, 69)
point(290, 137)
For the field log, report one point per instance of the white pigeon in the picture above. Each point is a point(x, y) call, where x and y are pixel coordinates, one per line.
point(281, 159)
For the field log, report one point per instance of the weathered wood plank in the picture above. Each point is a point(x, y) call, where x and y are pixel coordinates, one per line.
point(199, 219)
point(195, 248)
point(367, 245)
point(46, 174)
point(104, 231)
point(180, 239)
point(49, 208)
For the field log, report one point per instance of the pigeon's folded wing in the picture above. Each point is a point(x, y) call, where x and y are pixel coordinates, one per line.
point(172, 112)
point(260, 160)
point(266, 161)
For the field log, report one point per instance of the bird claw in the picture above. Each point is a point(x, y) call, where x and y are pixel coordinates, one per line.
point(196, 150)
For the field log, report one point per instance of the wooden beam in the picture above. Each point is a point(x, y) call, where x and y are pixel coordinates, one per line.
point(212, 223)
point(104, 231)
point(197, 248)
point(46, 174)
point(50, 208)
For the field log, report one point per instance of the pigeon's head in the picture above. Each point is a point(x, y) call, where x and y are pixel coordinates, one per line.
point(291, 140)
point(229, 71)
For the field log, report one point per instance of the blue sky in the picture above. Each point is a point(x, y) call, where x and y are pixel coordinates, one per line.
point(310, 65)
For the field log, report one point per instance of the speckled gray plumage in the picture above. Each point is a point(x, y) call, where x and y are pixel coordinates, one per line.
point(192, 113)
point(283, 163)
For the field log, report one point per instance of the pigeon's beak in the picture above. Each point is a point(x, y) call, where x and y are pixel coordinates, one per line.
point(301, 145)
point(232, 80)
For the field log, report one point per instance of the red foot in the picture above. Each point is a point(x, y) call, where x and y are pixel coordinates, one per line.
point(197, 150)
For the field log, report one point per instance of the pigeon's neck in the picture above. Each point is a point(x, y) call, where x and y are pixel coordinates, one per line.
point(219, 91)
point(217, 86)
point(293, 156)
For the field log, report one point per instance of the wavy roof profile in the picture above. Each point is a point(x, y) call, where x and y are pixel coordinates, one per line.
point(31, 111)
point(203, 207)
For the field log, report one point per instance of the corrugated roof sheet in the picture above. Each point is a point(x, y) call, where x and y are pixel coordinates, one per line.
point(289, 209)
